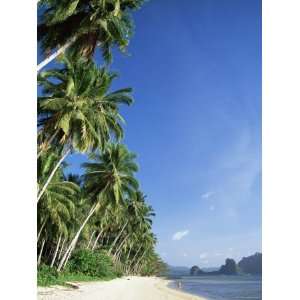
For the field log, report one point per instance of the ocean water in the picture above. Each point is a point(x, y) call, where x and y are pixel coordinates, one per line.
point(222, 287)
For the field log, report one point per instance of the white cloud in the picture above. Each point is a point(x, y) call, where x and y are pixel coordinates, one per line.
point(212, 207)
point(185, 255)
point(204, 262)
point(218, 254)
point(203, 255)
point(179, 235)
point(207, 195)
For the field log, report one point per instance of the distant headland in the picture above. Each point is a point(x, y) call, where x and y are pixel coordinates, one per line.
point(247, 265)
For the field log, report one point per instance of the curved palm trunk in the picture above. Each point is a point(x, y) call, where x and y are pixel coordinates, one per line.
point(135, 255)
point(128, 254)
point(55, 54)
point(72, 245)
point(88, 245)
point(68, 256)
point(117, 259)
point(140, 267)
point(41, 251)
point(61, 248)
point(138, 261)
point(56, 251)
point(96, 240)
point(127, 261)
point(52, 174)
point(117, 237)
point(41, 229)
point(120, 246)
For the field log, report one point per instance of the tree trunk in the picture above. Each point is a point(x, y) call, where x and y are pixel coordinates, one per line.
point(128, 254)
point(41, 251)
point(52, 174)
point(72, 245)
point(88, 245)
point(61, 248)
point(139, 268)
point(121, 245)
point(135, 255)
point(39, 234)
point(68, 256)
point(127, 264)
point(56, 251)
point(117, 237)
point(96, 240)
point(55, 54)
point(138, 261)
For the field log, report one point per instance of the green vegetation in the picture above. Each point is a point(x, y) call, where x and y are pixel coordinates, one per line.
point(96, 225)
point(82, 26)
point(92, 263)
point(85, 265)
point(48, 276)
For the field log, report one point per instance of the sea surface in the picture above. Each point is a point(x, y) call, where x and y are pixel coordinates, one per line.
point(221, 287)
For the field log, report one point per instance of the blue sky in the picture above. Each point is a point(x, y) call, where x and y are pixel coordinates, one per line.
point(195, 67)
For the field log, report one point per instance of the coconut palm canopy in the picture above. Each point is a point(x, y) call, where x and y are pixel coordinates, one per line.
point(77, 107)
point(111, 174)
point(58, 205)
point(104, 209)
point(90, 23)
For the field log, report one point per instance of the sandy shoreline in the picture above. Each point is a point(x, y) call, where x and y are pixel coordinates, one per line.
point(127, 288)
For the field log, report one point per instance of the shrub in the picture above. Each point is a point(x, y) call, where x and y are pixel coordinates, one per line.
point(47, 276)
point(92, 263)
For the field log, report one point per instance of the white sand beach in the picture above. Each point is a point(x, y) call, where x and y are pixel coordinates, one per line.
point(126, 288)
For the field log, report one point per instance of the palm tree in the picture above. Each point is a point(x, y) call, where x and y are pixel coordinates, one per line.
point(142, 227)
point(77, 111)
point(102, 223)
point(132, 221)
point(112, 171)
point(83, 25)
point(148, 246)
point(57, 210)
point(108, 180)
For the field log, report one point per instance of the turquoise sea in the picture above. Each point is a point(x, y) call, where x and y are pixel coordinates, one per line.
point(222, 287)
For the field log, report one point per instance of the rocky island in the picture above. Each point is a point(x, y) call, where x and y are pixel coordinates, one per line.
point(247, 265)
